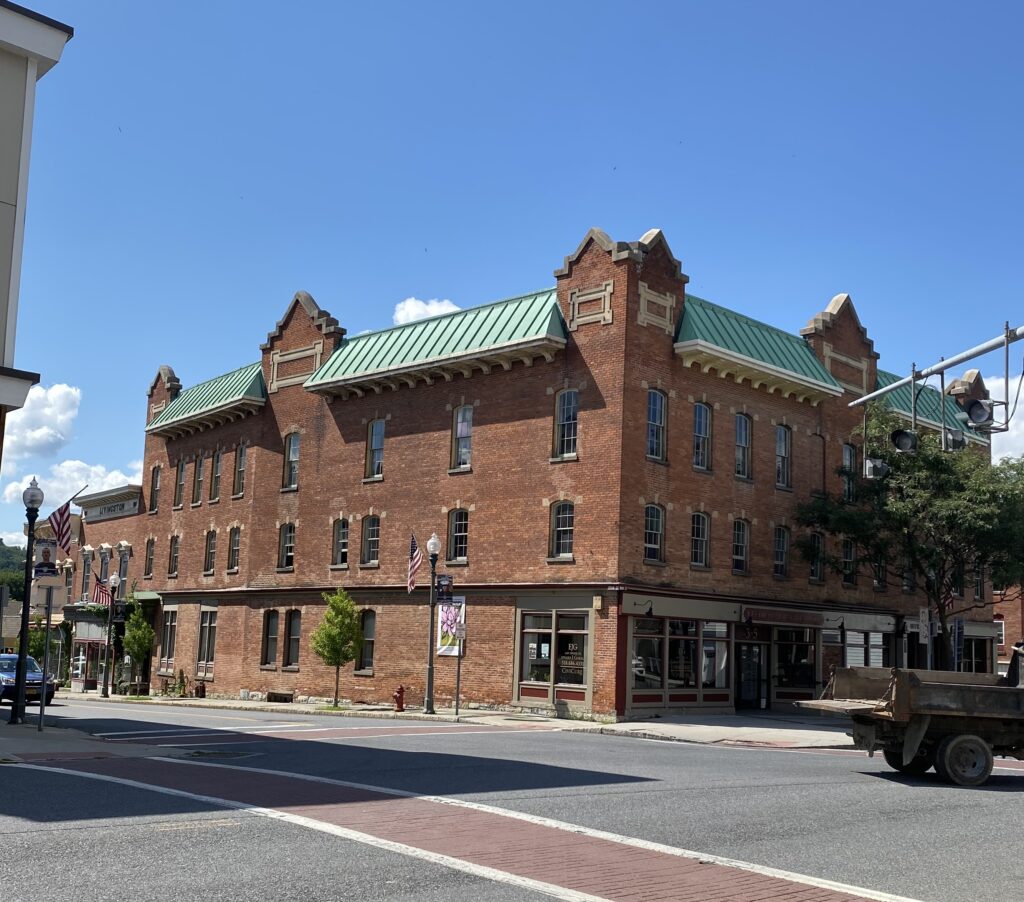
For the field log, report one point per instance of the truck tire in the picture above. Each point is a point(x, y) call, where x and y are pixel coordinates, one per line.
point(920, 765)
point(964, 759)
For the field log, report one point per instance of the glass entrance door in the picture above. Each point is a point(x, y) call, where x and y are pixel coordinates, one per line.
point(751, 675)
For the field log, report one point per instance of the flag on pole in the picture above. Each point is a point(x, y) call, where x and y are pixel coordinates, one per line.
point(415, 561)
point(100, 593)
point(60, 523)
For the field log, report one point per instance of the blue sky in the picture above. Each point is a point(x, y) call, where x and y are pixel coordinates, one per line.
point(195, 164)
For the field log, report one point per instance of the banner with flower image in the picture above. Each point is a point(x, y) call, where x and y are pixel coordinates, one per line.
point(451, 613)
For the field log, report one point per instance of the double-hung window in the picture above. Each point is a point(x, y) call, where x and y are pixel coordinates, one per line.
point(290, 478)
point(197, 478)
point(286, 546)
point(368, 623)
point(210, 557)
point(740, 546)
point(270, 628)
point(654, 533)
point(179, 484)
point(154, 488)
point(849, 472)
point(780, 547)
point(462, 438)
point(292, 632)
point(238, 486)
point(371, 540)
point(656, 424)
point(563, 517)
point(817, 563)
point(783, 457)
point(567, 408)
point(172, 556)
point(147, 568)
point(215, 476)
point(339, 543)
point(699, 540)
point(701, 436)
point(234, 545)
point(849, 563)
point(744, 468)
point(375, 450)
point(458, 535)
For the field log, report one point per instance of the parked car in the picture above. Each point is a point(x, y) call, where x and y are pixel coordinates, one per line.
point(33, 681)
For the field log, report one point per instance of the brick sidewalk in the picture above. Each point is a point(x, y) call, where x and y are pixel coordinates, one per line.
point(578, 862)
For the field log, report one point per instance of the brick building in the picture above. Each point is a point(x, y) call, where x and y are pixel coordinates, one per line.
point(613, 467)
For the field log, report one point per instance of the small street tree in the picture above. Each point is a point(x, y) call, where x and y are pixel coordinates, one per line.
point(138, 641)
point(338, 639)
point(937, 519)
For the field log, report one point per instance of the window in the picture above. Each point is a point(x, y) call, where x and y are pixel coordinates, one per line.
point(69, 581)
point(909, 576)
point(740, 545)
point(656, 425)
point(783, 457)
point(339, 543)
point(154, 488)
point(234, 544)
point(368, 625)
point(371, 540)
point(292, 632)
point(215, 476)
point(979, 582)
point(563, 515)
point(701, 437)
point(286, 546)
point(86, 573)
point(794, 650)
point(375, 450)
point(817, 557)
point(147, 567)
point(880, 571)
point(780, 547)
point(744, 468)
point(1000, 631)
point(167, 636)
point(957, 580)
point(270, 621)
point(197, 478)
point(104, 566)
point(849, 563)
point(462, 438)
point(458, 535)
point(122, 572)
point(179, 485)
point(172, 557)
point(866, 649)
point(654, 533)
point(207, 643)
point(849, 473)
point(567, 408)
point(210, 557)
point(566, 644)
point(290, 478)
point(699, 540)
point(238, 487)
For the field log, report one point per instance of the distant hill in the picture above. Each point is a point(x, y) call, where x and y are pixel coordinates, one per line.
point(11, 557)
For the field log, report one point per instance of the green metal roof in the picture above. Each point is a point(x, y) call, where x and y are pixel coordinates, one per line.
point(710, 324)
point(929, 404)
point(240, 389)
point(530, 320)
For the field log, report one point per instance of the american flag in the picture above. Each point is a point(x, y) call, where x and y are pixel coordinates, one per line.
point(415, 561)
point(60, 523)
point(100, 593)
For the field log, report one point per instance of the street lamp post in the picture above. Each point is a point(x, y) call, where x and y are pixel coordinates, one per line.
point(33, 498)
point(114, 581)
point(433, 549)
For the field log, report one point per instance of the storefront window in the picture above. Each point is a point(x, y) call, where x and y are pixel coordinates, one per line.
point(647, 653)
point(682, 654)
point(715, 661)
point(976, 656)
point(536, 648)
point(794, 649)
point(572, 650)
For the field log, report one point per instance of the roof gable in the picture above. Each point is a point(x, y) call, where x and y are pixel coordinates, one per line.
point(321, 319)
point(219, 400)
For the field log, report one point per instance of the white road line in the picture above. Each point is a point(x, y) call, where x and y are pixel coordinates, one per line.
point(863, 892)
point(108, 707)
point(476, 870)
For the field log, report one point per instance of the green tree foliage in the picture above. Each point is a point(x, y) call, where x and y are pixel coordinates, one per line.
point(138, 640)
point(12, 557)
point(15, 582)
point(339, 638)
point(927, 525)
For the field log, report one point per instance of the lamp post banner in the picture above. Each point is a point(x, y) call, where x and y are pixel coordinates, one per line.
point(452, 615)
point(45, 558)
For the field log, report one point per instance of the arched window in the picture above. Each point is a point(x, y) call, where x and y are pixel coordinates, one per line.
point(458, 535)
point(172, 556)
point(654, 533)
point(234, 546)
point(740, 546)
point(744, 462)
point(563, 515)
point(656, 407)
point(147, 568)
point(210, 557)
point(699, 540)
point(567, 407)
point(368, 624)
point(339, 543)
point(371, 540)
point(701, 436)
point(290, 478)
point(849, 472)
point(286, 546)
point(154, 488)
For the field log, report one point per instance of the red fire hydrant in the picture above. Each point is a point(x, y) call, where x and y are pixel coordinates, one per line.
point(399, 696)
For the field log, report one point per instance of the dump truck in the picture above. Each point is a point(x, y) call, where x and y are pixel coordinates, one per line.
point(920, 719)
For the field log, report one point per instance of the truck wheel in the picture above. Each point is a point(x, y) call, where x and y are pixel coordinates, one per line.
point(920, 765)
point(964, 759)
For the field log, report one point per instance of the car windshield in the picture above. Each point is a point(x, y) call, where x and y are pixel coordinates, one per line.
point(10, 665)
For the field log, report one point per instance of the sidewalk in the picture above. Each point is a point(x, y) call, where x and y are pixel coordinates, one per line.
point(24, 742)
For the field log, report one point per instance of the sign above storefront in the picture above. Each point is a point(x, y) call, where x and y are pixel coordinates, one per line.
point(683, 608)
point(789, 618)
point(124, 508)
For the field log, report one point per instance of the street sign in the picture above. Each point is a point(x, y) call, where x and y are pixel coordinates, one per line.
point(460, 631)
point(444, 587)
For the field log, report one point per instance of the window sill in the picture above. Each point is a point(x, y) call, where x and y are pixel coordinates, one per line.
point(458, 562)
point(368, 672)
point(177, 507)
point(562, 559)
point(208, 573)
point(147, 575)
point(237, 497)
point(657, 460)
point(849, 585)
point(214, 500)
point(165, 673)
point(700, 567)
point(880, 589)
point(783, 488)
point(268, 667)
point(816, 582)
point(458, 471)
point(653, 563)
point(370, 565)
point(172, 575)
point(746, 480)
point(231, 571)
point(369, 479)
point(562, 459)
point(288, 489)
point(781, 577)
point(195, 504)
point(285, 569)
point(339, 566)
point(290, 668)
point(736, 572)
point(152, 511)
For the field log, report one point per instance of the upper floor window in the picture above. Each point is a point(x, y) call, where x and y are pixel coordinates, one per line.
point(86, 573)
point(780, 548)
point(172, 556)
point(849, 472)
point(69, 581)
point(567, 408)
point(909, 581)
point(210, 557)
point(1000, 630)
point(744, 465)
point(234, 545)
point(462, 437)
point(270, 628)
point(197, 478)
point(290, 478)
point(154, 488)
point(104, 566)
point(783, 457)
point(375, 449)
point(849, 563)
point(699, 540)
point(286, 546)
point(702, 436)
point(215, 476)
point(339, 543)
point(368, 622)
point(563, 517)
point(371, 540)
point(979, 582)
point(817, 561)
point(656, 424)
point(179, 485)
point(122, 573)
point(238, 486)
point(740, 546)
point(957, 580)
point(458, 535)
point(880, 577)
point(654, 533)
point(292, 632)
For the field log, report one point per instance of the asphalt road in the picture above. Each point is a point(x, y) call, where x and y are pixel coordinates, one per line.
point(827, 814)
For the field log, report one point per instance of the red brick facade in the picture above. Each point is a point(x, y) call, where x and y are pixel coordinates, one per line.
point(614, 355)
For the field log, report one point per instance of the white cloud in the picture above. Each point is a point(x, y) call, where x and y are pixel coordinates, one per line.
point(68, 477)
point(1007, 443)
point(12, 539)
point(412, 309)
point(43, 426)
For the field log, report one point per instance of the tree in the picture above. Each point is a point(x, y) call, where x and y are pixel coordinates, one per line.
point(37, 640)
point(138, 640)
point(339, 638)
point(15, 582)
point(928, 524)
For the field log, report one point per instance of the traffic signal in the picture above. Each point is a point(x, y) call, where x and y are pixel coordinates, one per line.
point(875, 468)
point(980, 413)
point(904, 440)
point(955, 440)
